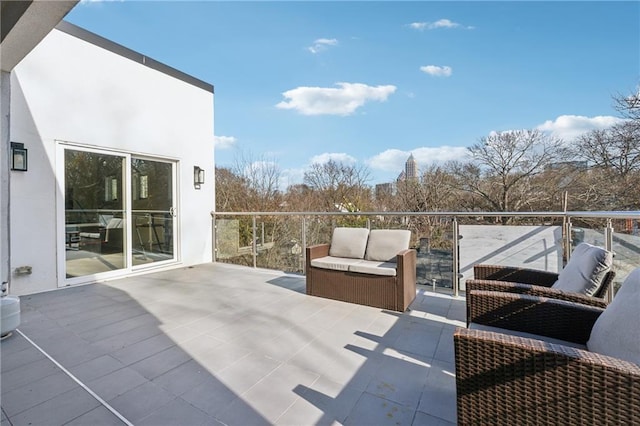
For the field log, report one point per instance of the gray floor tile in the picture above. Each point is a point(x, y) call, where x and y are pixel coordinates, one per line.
point(323, 403)
point(162, 362)
point(142, 401)
point(183, 378)
point(21, 376)
point(246, 372)
point(20, 358)
point(211, 396)
point(96, 368)
point(13, 344)
point(143, 349)
point(58, 410)
point(422, 419)
point(274, 394)
point(99, 416)
point(128, 338)
point(235, 345)
point(178, 412)
point(116, 383)
point(35, 393)
point(373, 410)
point(242, 414)
point(399, 380)
point(439, 395)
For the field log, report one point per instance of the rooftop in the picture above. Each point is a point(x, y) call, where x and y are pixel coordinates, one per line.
point(224, 344)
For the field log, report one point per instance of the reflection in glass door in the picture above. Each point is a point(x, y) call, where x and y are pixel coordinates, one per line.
point(95, 219)
point(152, 212)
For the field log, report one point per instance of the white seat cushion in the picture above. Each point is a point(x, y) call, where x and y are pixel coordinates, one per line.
point(585, 270)
point(349, 242)
point(385, 244)
point(334, 263)
point(387, 269)
point(616, 332)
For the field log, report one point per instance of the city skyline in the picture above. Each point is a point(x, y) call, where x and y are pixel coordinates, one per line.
point(370, 83)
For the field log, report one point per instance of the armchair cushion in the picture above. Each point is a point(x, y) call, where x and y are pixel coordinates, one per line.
point(585, 270)
point(616, 332)
point(349, 242)
point(385, 244)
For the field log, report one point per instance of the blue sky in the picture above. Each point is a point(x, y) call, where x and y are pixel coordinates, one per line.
point(369, 83)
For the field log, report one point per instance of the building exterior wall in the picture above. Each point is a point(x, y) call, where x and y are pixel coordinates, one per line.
point(71, 90)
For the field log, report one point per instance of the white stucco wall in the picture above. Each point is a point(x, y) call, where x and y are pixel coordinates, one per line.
point(70, 90)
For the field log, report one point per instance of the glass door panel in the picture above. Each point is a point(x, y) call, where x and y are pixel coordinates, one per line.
point(152, 213)
point(95, 220)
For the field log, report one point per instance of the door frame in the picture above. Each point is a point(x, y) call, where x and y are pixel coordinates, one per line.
point(129, 269)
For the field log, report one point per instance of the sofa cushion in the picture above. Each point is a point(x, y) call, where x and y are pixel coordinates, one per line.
point(616, 332)
point(585, 270)
point(349, 242)
point(335, 263)
point(387, 269)
point(385, 244)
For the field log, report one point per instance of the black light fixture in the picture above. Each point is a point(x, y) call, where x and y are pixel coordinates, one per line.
point(198, 177)
point(18, 157)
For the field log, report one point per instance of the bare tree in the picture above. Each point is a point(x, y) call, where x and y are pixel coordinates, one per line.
point(502, 165)
point(628, 105)
point(338, 184)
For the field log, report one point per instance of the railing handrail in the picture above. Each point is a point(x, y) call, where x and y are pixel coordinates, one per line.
point(634, 214)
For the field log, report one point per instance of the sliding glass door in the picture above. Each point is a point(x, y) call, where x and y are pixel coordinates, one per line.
point(152, 212)
point(119, 213)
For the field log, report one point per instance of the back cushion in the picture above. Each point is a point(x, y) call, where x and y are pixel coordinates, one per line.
point(616, 332)
point(349, 242)
point(385, 244)
point(585, 270)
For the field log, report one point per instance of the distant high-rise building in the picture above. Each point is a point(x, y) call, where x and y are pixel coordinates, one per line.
point(384, 190)
point(410, 171)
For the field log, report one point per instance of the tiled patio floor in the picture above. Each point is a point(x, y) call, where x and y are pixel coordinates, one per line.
point(221, 344)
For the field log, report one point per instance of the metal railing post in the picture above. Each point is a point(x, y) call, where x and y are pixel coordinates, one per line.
point(608, 244)
point(304, 244)
point(608, 236)
point(214, 237)
point(568, 240)
point(254, 245)
point(456, 257)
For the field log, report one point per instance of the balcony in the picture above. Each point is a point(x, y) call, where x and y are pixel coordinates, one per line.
point(225, 344)
point(241, 344)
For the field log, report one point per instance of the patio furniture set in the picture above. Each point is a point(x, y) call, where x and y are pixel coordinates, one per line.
point(539, 347)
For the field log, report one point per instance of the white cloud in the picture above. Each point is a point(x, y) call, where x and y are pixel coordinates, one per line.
point(393, 160)
point(322, 44)
point(569, 127)
point(343, 100)
point(224, 142)
point(338, 157)
point(441, 23)
point(436, 70)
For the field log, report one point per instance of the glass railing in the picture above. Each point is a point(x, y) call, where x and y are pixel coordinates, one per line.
point(448, 244)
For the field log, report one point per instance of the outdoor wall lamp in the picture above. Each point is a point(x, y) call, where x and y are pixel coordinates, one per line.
point(18, 157)
point(198, 177)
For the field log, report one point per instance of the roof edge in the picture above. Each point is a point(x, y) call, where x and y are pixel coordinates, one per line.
point(119, 49)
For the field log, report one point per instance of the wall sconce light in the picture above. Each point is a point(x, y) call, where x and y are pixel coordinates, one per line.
point(18, 157)
point(198, 177)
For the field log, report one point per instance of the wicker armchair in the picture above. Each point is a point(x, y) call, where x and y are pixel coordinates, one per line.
point(510, 380)
point(579, 377)
point(539, 283)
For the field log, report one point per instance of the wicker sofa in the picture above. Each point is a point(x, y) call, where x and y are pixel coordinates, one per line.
point(373, 268)
point(536, 360)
